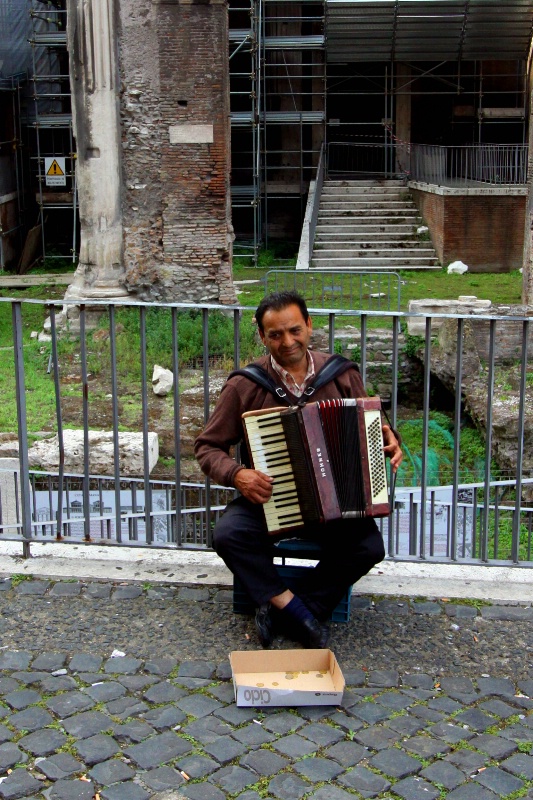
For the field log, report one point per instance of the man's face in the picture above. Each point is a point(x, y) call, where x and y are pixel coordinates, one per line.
point(286, 336)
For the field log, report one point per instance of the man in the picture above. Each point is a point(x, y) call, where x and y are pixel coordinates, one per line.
point(350, 548)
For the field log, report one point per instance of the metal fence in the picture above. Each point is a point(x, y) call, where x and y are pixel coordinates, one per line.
point(95, 371)
point(368, 291)
point(493, 164)
point(481, 164)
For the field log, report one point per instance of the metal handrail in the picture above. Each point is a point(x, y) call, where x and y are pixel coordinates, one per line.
point(319, 182)
point(307, 240)
point(467, 165)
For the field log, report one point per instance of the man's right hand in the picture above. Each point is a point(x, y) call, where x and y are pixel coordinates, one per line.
point(254, 485)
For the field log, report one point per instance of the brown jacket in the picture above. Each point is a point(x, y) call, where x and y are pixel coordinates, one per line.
point(239, 394)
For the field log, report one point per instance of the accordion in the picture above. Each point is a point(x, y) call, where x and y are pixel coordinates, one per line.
point(326, 459)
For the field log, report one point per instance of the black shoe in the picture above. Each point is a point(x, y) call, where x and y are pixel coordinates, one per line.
point(316, 634)
point(264, 625)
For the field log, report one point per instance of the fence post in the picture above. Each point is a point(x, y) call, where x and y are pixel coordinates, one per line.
point(22, 423)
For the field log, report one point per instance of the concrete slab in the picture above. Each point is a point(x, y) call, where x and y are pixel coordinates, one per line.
point(131, 563)
point(24, 281)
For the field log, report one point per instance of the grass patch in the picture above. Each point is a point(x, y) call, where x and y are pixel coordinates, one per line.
point(505, 287)
point(19, 578)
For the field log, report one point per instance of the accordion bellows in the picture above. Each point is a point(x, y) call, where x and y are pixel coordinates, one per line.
point(326, 459)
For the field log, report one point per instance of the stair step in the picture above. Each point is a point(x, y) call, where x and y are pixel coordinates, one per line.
point(375, 194)
point(364, 228)
point(364, 205)
point(368, 183)
point(394, 255)
point(371, 248)
point(338, 257)
point(374, 213)
point(334, 265)
point(384, 239)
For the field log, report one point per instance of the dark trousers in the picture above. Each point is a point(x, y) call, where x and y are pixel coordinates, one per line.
point(350, 548)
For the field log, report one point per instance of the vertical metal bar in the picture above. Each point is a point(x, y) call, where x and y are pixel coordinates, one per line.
point(22, 426)
point(146, 454)
point(177, 437)
point(85, 401)
point(168, 517)
point(432, 525)
point(393, 413)
point(484, 527)
point(413, 524)
point(59, 421)
point(474, 522)
point(394, 369)
point(101, 502)
point(496, 546)
point(236, 338)
point(515, 552)
point(447, 531)
point(457, 435)
point(331, 321)
point(134, 510)
point(114, 411)
point(425, 437)
point(66, 525)
point(205, 345)
point(17, 506)
point(362, 365)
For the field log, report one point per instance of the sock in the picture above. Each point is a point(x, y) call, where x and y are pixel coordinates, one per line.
point(297, 610)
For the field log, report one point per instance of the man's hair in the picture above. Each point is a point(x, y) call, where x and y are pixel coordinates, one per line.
point(276, 302)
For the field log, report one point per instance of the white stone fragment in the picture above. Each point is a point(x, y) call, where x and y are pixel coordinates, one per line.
point(162, 380)
point(457, 267)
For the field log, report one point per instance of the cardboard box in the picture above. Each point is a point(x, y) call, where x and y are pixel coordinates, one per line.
point(286, 678)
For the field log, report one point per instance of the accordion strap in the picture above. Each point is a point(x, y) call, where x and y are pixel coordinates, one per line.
point(334, 367)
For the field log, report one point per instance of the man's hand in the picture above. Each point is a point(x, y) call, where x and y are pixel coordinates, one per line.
point(254, 485)
point(392, 448)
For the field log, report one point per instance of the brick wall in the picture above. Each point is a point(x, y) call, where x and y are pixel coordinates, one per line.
point(176, 150)
point(484, 231)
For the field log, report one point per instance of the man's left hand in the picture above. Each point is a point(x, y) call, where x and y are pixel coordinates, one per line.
point(392, 447)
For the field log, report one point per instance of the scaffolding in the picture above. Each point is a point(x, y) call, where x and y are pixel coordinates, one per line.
point(477, 102)
point(277, 95)
point(53, 158)
point(303, 73)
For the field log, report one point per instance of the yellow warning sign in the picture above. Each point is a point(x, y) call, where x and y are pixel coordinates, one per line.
point(55, 169)
point(55, 172)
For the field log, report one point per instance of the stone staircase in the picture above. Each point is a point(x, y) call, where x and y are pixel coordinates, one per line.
point(369, 225)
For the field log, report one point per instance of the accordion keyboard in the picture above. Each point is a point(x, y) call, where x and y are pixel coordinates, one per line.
point(268, 449)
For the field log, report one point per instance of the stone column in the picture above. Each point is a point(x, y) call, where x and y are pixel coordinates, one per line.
point(403, 115)
point(91, 33)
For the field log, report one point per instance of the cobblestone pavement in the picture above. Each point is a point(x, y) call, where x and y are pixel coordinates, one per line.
point(437, 702)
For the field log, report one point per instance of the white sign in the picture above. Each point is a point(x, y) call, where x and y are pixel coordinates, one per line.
point(54, 171)
point(190, 134)
point(437, 519)
point(102, 515)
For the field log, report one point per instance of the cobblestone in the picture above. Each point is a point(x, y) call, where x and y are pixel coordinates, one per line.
point(426, 710)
